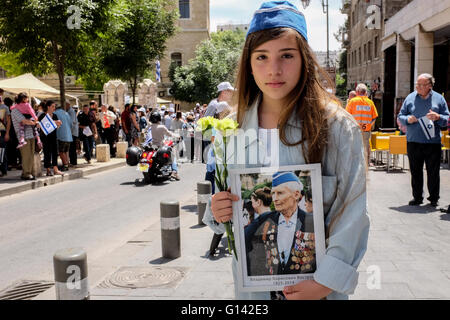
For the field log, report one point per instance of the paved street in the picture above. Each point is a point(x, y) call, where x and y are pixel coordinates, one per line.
point(99, 212)
point(409, 247)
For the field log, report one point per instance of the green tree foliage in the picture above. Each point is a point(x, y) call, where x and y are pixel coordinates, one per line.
point(11, 63)
point(138, 38)
point(341, 75)
point(52, 35)
point(216, 61)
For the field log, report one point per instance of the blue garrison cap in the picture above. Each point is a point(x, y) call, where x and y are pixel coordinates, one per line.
point(283, 177)
point(278, 14)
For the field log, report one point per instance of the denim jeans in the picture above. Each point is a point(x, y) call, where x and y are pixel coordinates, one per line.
point(174, 164)
point(88, 146)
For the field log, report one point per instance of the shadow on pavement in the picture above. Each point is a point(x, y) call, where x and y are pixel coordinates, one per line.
point(221, 252)
point(160, 260)
point(198, 226)
point(415, 209)
point(445, 217)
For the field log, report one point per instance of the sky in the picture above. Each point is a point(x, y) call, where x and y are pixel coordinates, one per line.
point(241, 12)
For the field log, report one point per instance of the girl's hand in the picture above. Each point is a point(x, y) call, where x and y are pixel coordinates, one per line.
point(221, 205)
point(306, 290)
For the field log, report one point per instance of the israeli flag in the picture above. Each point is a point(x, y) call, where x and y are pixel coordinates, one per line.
point(158, 71)
point(427, 127)
point(148, 136)
point(47, 125)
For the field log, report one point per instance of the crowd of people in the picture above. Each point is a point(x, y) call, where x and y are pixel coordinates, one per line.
point(77, 131)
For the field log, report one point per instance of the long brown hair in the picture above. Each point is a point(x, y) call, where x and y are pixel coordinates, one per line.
point(308, 100)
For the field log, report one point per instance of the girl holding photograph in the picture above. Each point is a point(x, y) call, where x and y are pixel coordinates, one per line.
point(279, 87)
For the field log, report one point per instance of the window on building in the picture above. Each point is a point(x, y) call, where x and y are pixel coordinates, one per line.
point(177, 59)
point(359, 56)
point(365, 53)
point(369, 50)
point(184, 9)
point(375, 47)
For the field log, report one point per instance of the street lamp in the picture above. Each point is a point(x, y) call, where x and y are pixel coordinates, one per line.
point(305, 4)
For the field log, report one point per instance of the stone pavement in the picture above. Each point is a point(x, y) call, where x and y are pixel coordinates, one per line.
point(408, 254)
point(409, 246)
point(202, 278)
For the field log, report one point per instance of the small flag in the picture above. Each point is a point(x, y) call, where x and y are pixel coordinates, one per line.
point(47, 125)
point(158, 71)
point(427, 127)
point(148, 138)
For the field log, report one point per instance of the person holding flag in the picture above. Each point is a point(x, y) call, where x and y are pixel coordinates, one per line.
point(49, 122)
point(423, 112)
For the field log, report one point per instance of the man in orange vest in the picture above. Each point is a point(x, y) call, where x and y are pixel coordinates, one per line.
point(365, 113)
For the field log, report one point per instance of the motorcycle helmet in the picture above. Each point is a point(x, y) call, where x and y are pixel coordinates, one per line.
point(133, 155)
point(164, 155)
point(155, 117)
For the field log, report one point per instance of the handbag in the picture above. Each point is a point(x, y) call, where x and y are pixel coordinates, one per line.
point(37, 145)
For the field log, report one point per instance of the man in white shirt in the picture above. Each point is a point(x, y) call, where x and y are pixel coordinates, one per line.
point(218, 105)
point(281, 241)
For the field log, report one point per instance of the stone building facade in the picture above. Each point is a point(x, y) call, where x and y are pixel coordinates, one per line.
point(417, 40)
point(365, 56)
point(230, 27)
point(193, 29)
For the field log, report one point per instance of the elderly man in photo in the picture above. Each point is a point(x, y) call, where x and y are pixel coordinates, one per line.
point(423, 113)
point(281, 241)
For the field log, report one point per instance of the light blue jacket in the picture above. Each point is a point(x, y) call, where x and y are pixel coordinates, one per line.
point(344, 190)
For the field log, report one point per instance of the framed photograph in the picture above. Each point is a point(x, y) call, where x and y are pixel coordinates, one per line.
point(279, 225)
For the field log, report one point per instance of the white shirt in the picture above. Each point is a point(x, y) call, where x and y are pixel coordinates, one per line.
point(167, 121)
point(270, 142)
point(285, 236)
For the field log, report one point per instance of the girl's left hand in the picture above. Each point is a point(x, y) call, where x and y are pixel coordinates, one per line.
point(306, 290)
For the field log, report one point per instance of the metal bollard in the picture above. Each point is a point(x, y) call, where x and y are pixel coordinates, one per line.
point(71, 274)
point(170, 229)
point(203, 195)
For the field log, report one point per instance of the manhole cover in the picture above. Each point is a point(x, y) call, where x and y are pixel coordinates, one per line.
point(25, 290)
point(143, 277)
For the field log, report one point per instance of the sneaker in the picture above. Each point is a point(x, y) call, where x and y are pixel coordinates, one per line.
point(28, 177)
point(176, 176)
point(433, 203)
point(415, 202)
